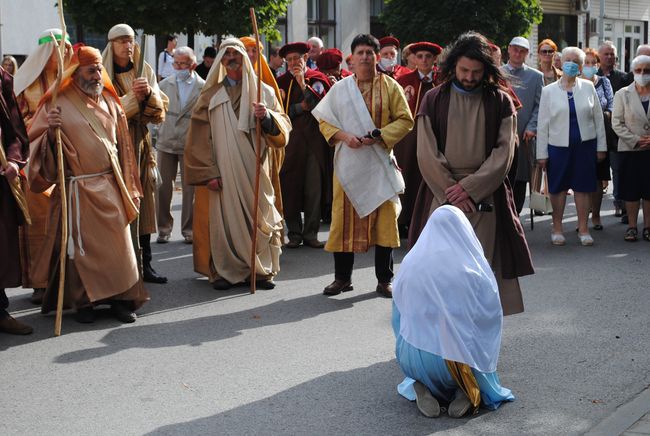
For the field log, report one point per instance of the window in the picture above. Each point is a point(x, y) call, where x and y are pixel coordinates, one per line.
point(562, 29)
point(377, 28)
point(321, 19)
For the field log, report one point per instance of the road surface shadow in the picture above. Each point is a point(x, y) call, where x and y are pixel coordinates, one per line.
point(196, 331)
point(347, 402)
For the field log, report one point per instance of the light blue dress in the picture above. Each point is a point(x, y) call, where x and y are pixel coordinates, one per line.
point(431, 370)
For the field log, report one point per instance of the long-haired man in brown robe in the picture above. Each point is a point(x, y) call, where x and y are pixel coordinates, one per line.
point(103, 191)
point(466, 136)
point(143, 103)
point(15, 147)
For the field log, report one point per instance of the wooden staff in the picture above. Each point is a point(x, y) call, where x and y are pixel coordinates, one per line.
point(258, 154)
point(61, 169)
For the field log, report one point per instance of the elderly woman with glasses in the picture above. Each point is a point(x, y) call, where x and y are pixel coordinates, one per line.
point(545, 51)
point(631, 122)
point(570, 140)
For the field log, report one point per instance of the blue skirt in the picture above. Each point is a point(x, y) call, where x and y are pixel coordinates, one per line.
point(572, 167)
point(431, 370)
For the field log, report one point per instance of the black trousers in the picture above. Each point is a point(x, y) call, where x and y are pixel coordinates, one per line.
point(344, 262)
point(145, 245)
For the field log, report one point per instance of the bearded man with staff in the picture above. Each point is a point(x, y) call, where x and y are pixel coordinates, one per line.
point(103, 191)
point(220, 155)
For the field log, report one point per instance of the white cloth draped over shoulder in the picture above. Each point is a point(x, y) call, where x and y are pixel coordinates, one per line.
point(368, 175)
point(447, 295)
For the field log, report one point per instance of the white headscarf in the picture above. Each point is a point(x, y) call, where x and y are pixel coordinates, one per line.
point(447, 294)
point(35, 63)
point(118, 31)
point(249, 82)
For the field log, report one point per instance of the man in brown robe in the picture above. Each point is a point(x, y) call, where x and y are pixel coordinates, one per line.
point(305, 175)
point(103, 191)
point(143, 103)
point(32, 81)
point(416, 84)
point(220, 154)
point(14, 147)
point(465, 144)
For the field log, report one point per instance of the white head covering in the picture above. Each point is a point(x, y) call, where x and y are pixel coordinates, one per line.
point(447, 295)
point(118, 31)
point(249, 82)
point(37, 60)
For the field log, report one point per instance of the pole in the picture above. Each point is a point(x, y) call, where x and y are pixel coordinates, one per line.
point(258, 160)
point(61, 170)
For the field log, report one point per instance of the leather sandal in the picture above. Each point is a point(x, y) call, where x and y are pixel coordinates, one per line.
point(631, 235)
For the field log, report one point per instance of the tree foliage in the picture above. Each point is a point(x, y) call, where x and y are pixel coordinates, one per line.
point(442, 21)
point(211, 17)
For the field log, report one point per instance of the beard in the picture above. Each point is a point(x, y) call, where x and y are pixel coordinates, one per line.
point(93, 88)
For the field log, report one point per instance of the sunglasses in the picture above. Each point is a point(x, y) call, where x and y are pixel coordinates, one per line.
point(547, 52)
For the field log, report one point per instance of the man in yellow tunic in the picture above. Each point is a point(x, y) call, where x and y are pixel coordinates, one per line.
point(364, 116)
point(102, 186)
point(32, 81)
point(143, 103)
point(220, 154)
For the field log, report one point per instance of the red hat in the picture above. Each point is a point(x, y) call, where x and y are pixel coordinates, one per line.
point(294, 47)
point(329, 59)
point(426, 46)
point(388, 40)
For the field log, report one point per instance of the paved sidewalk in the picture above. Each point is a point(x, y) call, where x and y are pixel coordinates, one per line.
point(631, 419)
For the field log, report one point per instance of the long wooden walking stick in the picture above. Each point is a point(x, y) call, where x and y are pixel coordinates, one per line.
point(258, 155)
point(61, 169)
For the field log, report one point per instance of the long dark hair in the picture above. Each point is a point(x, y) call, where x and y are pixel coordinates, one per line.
point(475, 46)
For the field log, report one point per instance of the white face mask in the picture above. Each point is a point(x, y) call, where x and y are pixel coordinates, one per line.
point(183, 74)
point(642, 79)
point(387, 64)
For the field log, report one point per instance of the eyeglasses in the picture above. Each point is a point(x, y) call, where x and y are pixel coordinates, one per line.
point(182, 64)
point(642, 71)
point(547, 52)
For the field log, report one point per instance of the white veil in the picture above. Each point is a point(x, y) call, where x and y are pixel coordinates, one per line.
point(447, 294)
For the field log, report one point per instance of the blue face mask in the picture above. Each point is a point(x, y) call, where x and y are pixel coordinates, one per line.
point(589, 72)
point(571, 69)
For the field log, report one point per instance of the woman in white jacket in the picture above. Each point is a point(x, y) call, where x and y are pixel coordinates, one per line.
point(570, 140)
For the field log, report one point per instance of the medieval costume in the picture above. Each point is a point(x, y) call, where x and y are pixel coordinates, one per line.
point(390, 65)
point(447, 320)
point(305, 178)
point(32, 81)
point(220, 146)
point(103, 193)
point(366, 179)
point(415, 84)
point(479, 159)
point(151, 110)
point(15, 146)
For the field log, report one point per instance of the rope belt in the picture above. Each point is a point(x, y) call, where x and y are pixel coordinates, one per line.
point(74, 187)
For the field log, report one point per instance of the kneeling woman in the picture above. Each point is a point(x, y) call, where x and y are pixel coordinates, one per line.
point(447, 319)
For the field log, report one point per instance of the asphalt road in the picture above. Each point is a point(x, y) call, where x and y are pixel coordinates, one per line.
point(291, 361)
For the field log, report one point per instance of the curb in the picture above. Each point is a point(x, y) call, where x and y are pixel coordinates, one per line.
point(624, 417)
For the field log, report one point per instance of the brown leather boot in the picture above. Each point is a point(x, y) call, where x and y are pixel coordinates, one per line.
point(338, 286)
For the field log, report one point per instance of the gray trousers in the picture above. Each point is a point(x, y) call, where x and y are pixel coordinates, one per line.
point(308, 229)
point(168, 166)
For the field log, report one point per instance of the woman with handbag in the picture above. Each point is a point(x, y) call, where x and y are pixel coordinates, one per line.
point(606, 98)
point(631, 122)
point(570, 140)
